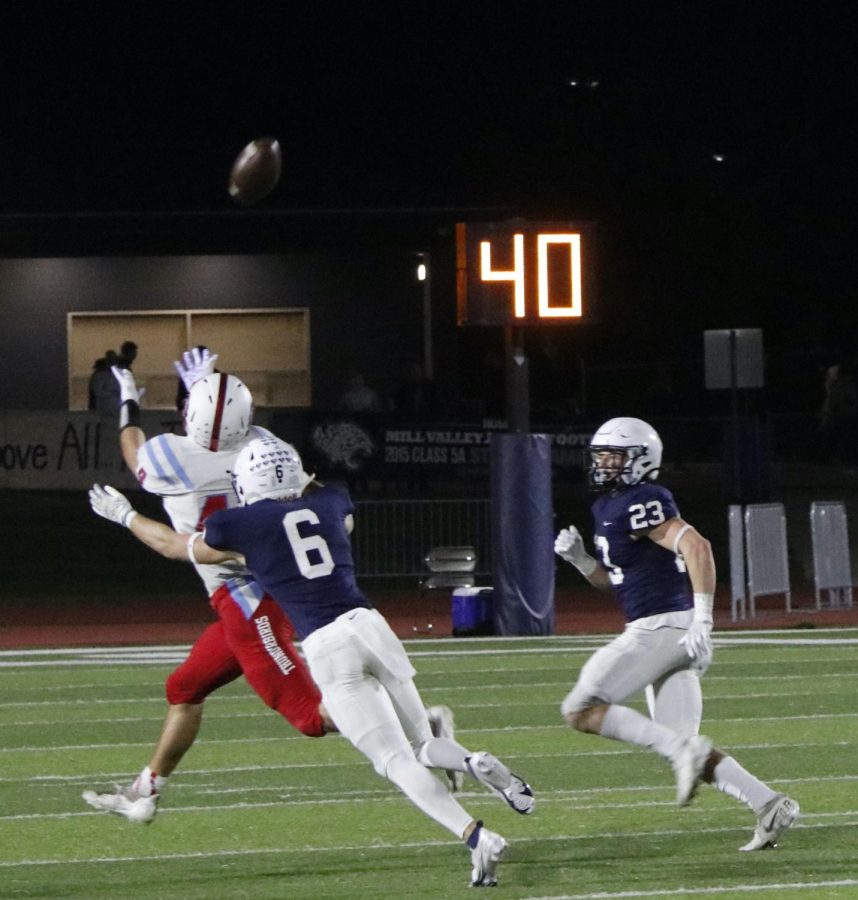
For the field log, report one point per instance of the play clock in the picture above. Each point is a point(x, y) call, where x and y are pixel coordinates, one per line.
point(523, 273)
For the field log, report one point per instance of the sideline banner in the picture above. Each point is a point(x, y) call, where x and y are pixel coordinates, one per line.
point(370, 446)
point(59, 450)
point(56, 450)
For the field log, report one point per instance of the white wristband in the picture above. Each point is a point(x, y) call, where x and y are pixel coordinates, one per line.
point(587, 565)
point(678, 538)
point(129, 517)
point(192, 539)
point(703, 604)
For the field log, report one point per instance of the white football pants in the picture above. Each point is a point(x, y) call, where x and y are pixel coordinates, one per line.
point(365, 678)
point(634, 659)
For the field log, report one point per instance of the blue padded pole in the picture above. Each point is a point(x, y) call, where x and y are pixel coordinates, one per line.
point(522, 534)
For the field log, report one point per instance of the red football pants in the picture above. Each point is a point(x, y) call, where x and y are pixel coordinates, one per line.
point(260, 648)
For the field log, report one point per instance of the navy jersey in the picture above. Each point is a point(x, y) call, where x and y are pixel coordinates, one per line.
point(298, 550)
point(647, 579)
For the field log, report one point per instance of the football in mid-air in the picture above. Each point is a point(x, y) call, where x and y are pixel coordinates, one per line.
point(255, 172)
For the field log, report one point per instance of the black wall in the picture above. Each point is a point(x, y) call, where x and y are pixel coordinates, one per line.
point(366, 309)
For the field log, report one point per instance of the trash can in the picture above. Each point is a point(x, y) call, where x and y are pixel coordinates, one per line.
point(472, 611)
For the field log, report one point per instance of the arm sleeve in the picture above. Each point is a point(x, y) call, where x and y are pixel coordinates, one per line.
point(161, 468)
point(218, 531)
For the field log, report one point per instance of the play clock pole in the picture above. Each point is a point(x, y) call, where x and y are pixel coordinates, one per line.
point(516, 275)
point(517, 381)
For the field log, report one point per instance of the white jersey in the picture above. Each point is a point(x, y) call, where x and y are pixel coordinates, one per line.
point(195, 482)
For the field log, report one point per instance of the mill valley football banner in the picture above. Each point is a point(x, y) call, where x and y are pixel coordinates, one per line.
point(354, 446)
point(71, 450)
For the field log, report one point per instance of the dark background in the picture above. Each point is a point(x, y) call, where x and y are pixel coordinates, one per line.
point(711, 143)
point(337, 285)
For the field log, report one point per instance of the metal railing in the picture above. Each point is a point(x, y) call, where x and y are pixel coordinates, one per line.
point(738, 579)
point(832, 568)
point(764, 547)
point(392, 537)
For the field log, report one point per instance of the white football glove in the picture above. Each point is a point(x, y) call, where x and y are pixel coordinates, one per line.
point(698, 639)
point(111, 504)
point(128, 389)
point(569, 545)
point(194, 365)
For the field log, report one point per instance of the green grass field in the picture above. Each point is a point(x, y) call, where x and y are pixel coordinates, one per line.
point(257, 811)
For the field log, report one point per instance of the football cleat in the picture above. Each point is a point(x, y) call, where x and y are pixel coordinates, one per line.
point(774, 819)
point(124, 803)
point(485, 857)
point(442, 725)
point(495, 775)
point(688, 767)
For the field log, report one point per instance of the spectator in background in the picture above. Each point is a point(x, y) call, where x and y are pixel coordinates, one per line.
point(839, 415)
point(103, 387)
point(98, 366)
point(127, 355)
point(359, 397)
point(416, 397)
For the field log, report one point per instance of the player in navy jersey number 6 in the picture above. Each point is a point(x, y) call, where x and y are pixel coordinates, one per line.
point(662, 572)
point(294, 537)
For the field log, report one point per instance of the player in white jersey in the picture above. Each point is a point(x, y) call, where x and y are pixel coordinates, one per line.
point(251, 636)
point(297, 544)
point(662, 571)
point(192, 473)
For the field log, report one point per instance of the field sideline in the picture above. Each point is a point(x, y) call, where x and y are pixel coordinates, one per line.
point(257, 811)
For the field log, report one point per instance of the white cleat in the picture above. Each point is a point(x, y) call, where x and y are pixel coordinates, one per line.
point(495, 775)
point(776, 816)
point(136, 809)
point(442, 725)
point(689, 765)
point(485, 857)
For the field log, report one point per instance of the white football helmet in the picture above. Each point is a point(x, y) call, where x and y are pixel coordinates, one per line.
point(641, 448)
point(218, 411)
point(268, 469)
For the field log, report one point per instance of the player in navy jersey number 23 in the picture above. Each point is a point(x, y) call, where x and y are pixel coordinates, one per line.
point(662, 572)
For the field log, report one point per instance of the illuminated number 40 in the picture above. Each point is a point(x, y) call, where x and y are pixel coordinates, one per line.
point(547, 308)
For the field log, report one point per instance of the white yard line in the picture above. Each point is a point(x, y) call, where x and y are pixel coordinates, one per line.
point(703, 891)
point(603, 837)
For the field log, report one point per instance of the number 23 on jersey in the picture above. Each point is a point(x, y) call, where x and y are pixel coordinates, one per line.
point(642, 516)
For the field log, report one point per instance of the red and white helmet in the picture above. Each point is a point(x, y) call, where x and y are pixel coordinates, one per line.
point(268, 469)
point(218, 412)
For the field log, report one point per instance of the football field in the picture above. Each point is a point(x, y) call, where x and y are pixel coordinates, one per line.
point(258, 811)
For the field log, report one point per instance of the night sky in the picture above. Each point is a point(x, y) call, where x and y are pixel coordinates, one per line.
point(712, 142)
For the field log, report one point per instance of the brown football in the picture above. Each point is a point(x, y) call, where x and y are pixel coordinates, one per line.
point(255, 172)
